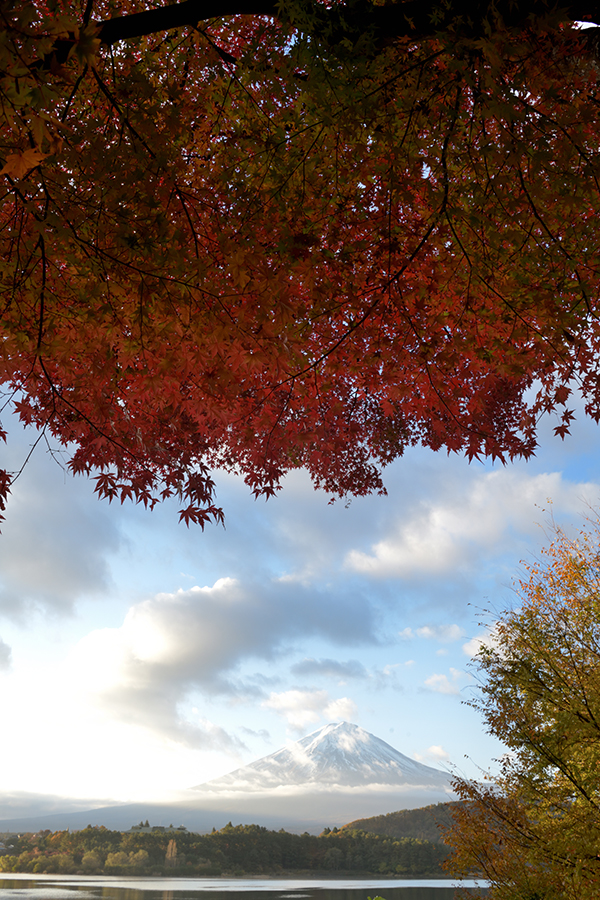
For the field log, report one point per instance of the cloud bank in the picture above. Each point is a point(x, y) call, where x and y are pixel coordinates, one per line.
point(172, 644)
point(472, 517)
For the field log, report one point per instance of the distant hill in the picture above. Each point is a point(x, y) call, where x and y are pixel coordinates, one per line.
point(420, 823)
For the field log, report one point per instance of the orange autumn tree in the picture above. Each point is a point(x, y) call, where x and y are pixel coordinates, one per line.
point(259, 236)
point(534, 831)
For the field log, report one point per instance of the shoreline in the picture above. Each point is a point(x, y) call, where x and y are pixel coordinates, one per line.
point(215, 882)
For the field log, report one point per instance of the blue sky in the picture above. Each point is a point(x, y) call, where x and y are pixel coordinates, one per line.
point(138, 658)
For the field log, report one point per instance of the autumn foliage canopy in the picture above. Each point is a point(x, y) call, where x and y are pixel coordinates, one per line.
point(260, 237)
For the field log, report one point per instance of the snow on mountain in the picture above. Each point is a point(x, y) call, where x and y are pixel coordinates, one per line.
point(339, 754)
point(335, 775)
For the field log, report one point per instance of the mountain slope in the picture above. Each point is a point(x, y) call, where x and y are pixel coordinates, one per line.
point(339, 754)
point(424, 823)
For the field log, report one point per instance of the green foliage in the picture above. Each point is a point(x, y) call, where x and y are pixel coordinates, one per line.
point(235, 849)
point(91, 862)
point(535, 831)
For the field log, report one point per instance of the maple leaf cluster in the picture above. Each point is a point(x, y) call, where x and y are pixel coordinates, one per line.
point(241, 244)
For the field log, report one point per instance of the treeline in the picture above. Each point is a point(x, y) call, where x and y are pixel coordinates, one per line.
point(234, 850)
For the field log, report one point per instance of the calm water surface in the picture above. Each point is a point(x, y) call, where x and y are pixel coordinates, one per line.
point(81, 887)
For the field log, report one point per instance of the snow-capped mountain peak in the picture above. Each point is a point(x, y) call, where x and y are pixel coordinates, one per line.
point(337, 754)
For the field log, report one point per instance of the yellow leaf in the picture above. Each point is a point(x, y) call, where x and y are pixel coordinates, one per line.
point(19, 164)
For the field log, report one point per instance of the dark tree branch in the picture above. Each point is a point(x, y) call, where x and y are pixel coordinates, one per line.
point(177, 15)
point(411, 18)
point(416, 19)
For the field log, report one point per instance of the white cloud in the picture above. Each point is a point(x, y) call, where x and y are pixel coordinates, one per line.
point(303, 708)
point(473, 645)
point(441, 684)
point(445, 634)
point(438, 752)
point(5, 656)
point(390, 668)
point(300, 708)
point(434, 753)
point(438, 536)
point(343, 709)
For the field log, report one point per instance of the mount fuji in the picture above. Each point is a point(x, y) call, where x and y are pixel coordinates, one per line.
point(336, 775)
point(333, 776)
point(341, 755)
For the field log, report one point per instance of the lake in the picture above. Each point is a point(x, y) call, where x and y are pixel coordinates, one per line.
point(82, 887)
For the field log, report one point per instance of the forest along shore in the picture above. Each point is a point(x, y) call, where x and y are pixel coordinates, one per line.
point(234, 850)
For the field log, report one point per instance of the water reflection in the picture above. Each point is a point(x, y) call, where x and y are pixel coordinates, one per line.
point(115, 888)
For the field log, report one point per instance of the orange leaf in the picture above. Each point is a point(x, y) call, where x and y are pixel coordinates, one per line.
point(19, 164)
